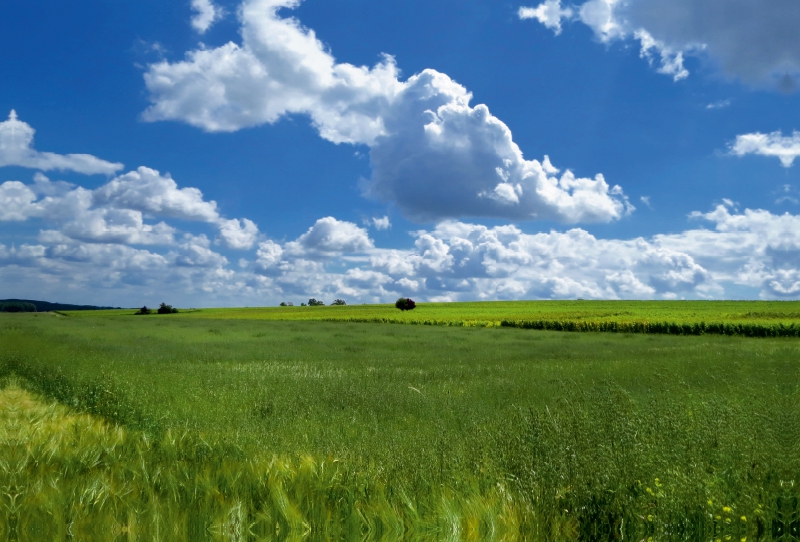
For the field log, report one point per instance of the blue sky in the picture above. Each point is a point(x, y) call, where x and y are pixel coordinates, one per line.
point(275, 150)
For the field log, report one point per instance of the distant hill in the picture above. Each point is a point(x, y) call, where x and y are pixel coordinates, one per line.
point(45, 306)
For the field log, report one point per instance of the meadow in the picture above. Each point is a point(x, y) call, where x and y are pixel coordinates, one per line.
point(216, 425)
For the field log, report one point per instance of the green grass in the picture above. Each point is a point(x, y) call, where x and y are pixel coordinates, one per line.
point(756, 318)
point(584, 433)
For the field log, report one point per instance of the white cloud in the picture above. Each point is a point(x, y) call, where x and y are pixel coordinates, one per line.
point(329, 235)
point(550, 14)
point(750, 251)
point(16, 201)
point(785, 148)
point(238, 234)
point(117, 212)
point(751, 40)
point(196, 251)
point(381, 223)
point(433, 154)
point(206, 14)
point(787, 194)
point(148, 191)
point(16, 149)
point(721, 104)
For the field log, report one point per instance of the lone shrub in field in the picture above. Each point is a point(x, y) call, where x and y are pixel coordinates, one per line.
point(166, 309)
point(339, 302)
point(405, 304)
point(143, 310)
point(314, 303)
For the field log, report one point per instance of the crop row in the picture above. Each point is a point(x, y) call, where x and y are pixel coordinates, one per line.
point(660, 328)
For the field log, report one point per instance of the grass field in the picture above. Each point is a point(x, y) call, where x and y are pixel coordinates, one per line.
point(231, 424)
point(756, 318)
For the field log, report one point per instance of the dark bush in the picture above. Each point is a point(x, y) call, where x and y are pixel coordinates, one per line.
point(166, 309)
point(405, 304)
point(339, 302)
point(143, 310)
point(314, 303)
point(17, 306)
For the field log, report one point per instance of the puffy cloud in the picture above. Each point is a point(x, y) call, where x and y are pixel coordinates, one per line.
point(381, 223)
point(549, 14)
point(748, 39)
point(16, 201)
point(121, 226)
point(268, 257)
point(148, 191)
point(433, 154)
point(785, 148)
point(206, 14)
point(329, 235)
point(238, 234)
point(281, 68)
point(196, 251)
point(116, 211)
point(16, 149)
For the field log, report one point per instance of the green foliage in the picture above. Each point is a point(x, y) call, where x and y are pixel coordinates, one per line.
point(583, 433)
point(166, 309)
point(314, 303)
point(17, 306)
point(143, 311)
point(339, 302)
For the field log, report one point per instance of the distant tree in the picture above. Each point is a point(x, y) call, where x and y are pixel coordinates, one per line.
point(166, 309)
point(283, 304)
point(339, 302)
point(302, 304)
point(290, 304)
point(405, 304)
point(314, 303)
point(143, 310)
point(17, 306)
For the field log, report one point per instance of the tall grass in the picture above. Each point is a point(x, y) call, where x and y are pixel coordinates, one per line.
point(401, 431)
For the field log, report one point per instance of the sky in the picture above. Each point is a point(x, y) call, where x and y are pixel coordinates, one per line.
point(222, 153)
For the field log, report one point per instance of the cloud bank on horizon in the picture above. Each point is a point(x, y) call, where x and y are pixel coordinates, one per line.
point(125, 238)
point(751, 40)
point(433, 154)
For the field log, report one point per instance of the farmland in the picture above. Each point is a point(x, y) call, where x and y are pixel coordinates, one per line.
point(748, 318)
point(280, 423)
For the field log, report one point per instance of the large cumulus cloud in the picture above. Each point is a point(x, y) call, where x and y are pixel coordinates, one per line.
point(433, 154)
point(752, 40)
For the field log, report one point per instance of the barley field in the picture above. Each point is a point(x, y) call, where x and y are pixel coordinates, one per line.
point(202, 426)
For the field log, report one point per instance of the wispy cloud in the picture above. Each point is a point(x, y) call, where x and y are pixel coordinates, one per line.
point(722, 104)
